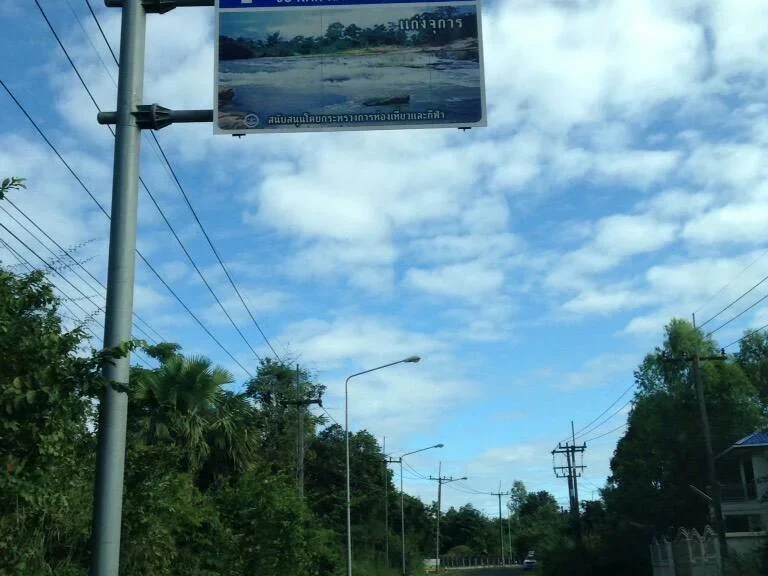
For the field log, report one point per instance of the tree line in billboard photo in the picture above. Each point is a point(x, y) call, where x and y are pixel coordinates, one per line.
point(439, 27)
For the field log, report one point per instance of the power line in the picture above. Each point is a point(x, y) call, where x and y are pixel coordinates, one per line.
point(199, 222)
point(90, 40)
point(72, 316)
point(607, 433)
point(329, 415)
point(739, 315)
point(737, 300)
point(72, 258)
point(149, 193)
point(605, 420)
point(747, 335)
point(52, 269)
point(583, 430)
point(104, 211)
point(101, 30)
point(61, 45)
point(716, 294)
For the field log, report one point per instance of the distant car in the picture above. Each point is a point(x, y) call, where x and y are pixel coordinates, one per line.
point(529, 564)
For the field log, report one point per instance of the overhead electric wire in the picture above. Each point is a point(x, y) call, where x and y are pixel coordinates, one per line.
point(329, 415)
point(104, 211)
point(605, 420)
point(736, 301)
point(67, 253)
point(747, 335)
point(739, 315)
point(52, 269)
point(66, 53)
point(101, 30)
point(414, 471)
point(583, 430)
point(199, 222)
point(607, 433)
point(63, 302)
point(90, 40)
point(716, 294)
point(149, 193)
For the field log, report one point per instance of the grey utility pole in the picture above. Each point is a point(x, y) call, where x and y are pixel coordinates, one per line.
point(571, 471)
point(501, 524)
point(386, 505)
point(440, 481)
point(402, 494)
point(716, 493)
point(301, 404)
point(118, 321)
point(299, 435)
point(717, 497)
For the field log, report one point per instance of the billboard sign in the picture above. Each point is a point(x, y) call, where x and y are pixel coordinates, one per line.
point(324, 65)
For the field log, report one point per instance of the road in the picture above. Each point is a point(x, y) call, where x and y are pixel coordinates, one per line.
point(489, 572)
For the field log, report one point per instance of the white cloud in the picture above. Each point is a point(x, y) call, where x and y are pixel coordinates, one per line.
point(730, 224)
point(472, 281)
point(604, 301)
point(599, 372)
point(260, 302)
point(451, 248)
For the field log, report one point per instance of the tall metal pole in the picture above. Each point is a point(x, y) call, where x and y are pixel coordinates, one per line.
point(300, 434)
point(386, 506)
point(408, 360)
point(501, 531)
point(349, 499)
point(402, 512)
point(509, 534)
point(439, 500)
point(113, 407)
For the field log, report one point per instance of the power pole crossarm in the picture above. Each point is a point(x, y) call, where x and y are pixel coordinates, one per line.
point(440, 481)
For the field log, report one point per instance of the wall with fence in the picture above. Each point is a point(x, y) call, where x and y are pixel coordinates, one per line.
point(688, 554)
point(474, 562)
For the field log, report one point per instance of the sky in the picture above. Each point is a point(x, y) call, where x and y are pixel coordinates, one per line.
point(621, 182)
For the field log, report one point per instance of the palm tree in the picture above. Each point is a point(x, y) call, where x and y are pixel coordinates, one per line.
point(184, 402)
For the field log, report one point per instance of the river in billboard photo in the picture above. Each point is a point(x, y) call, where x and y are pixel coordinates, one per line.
point(349, 68)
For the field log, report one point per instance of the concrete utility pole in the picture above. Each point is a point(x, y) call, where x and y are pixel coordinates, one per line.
point(402, 494)
point(501, 524)
point(717, 497)
point(386, 505)
point(440, 481)
point(571, 471)
point(301, 404)
point(299, 435)
point(716, 492)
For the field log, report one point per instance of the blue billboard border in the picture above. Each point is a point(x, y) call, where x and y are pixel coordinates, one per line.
point(311, 4)
point(280, 5)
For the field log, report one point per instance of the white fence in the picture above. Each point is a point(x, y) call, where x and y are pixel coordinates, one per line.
point(689, 554)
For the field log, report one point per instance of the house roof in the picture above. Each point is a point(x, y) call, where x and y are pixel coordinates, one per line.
point(754, 440)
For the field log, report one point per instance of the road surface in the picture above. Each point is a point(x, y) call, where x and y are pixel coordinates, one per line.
point(489, 572)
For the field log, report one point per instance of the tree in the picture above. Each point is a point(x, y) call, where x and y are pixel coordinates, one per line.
point(334, 32)
point(47, 384)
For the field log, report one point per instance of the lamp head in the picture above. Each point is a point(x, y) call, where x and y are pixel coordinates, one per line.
point(413, 359)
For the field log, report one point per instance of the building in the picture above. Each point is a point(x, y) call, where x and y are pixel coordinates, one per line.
point(743, 473)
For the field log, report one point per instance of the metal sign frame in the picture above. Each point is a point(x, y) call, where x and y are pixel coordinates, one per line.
point(335, 122)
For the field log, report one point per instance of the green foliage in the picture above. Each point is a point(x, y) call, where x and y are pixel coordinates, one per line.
point(9, 184)
point(435, 28)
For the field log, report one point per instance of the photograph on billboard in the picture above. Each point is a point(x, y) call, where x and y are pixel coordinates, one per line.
point(322, 65)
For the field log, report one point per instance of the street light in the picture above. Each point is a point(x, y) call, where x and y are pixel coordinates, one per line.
point(409, 360)
point(402, 498)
